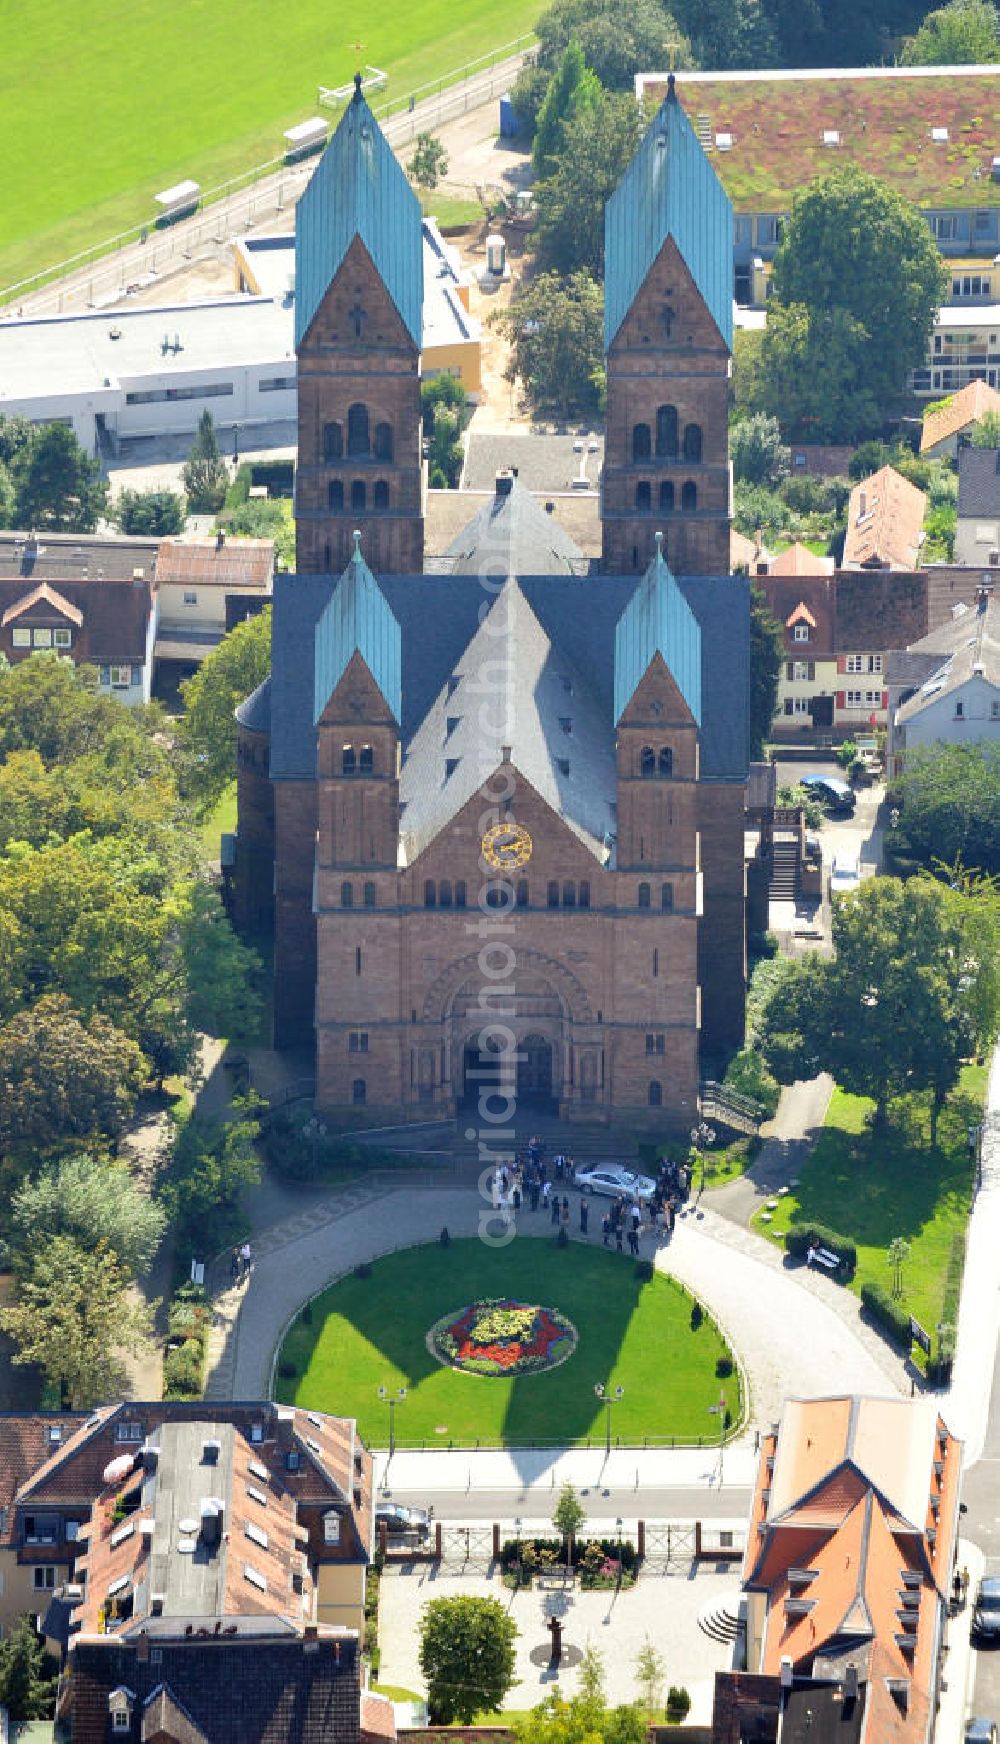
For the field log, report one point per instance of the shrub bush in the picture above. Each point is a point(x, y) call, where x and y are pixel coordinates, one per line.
point(939, 1366)
point(724, 1367)
point(697, 1315)
point(644, 1271)
point(888, 1315)
point(802, 1236)
point(362, 1269)
point(678, 1704)
point(182, 1370)
point(287, 1370)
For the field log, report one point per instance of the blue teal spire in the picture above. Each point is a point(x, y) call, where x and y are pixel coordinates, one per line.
point(669, 189)
point(357, 621)
point(658, 620)
point(359, 189)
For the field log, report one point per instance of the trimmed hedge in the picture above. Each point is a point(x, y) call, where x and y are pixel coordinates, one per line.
point(552, 1552)
point(802, 1236)
point(190, 1318)
point(887, 1314)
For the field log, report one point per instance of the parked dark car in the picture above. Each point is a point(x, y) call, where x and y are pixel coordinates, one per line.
point(986, 1611)
point(400, 1520)
point(834, 795)
point(980, 1732)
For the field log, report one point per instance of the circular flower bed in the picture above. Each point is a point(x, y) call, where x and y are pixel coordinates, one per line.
point(500, 1336)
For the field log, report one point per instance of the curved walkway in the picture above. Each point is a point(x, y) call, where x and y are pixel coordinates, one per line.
point(792, 1331)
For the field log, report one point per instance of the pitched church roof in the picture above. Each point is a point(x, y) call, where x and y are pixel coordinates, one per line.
point(658, 620)
point(538, 704)
point(513, 535)
point(357, 620)
point(669, 189)
point(358, 189)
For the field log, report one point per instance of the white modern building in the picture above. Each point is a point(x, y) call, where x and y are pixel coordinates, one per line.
point(945, 689)
point(122, 374)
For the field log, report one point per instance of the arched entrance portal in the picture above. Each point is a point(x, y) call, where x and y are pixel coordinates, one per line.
point(534, 1070)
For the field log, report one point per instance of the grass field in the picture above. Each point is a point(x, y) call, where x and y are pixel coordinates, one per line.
point(874, 1187)
point(370, 1332)
point(102, 109)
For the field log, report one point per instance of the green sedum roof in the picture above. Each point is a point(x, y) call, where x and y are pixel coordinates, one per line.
point(669, 189)
point(658, 620)
point(359, 189)
point(357, 621)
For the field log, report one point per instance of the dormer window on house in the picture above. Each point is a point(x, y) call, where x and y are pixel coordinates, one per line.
point(331, 1527)
point(800, 633)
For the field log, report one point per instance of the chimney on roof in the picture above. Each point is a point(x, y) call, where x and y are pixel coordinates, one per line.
point(142, 1648)
point(785, 1671)
point(851, 1682)
point(220, 539)
point(983, 594)
point(505, 482)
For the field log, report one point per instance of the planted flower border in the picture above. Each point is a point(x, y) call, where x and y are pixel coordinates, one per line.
point(502, 1336)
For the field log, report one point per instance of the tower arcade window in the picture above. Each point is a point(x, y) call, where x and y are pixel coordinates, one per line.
point(647, 761)
point(655, 1093)
point(381, 494)
point(552, 895)
point(584, 893)
point(359, 494)
point(666, 764)
point(522, 893)
point(347, 896)
point(641, 442)
point(430, 894)
point(366, 761)
point(569, 894)
point(666, 431)
point(359, 1092)
point(358, 439)
point(333, 442)
point(383, 442)
point(335, 495)
point(348, 760)
point(444, 893)
point(692, 442)
point(643, 496)
point(666, 897)
point(460, 893)
point(644, 896)
point(369, 896)
point(667, 495)
point(689, 495)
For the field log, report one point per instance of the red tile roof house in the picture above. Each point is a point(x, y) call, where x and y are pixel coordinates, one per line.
point(200, 1567)
point(107, 624)
point(849, 1563)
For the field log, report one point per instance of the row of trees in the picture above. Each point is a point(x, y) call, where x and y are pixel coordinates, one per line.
point(114, 955)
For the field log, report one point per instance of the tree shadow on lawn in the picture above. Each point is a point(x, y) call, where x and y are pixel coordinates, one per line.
point(875, 1185)
point(391, 1311)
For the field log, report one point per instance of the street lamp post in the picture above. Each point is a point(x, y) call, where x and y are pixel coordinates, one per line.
point(392, 1399)
point(608, 1400)
point(701, 1136)
point(719, 1411)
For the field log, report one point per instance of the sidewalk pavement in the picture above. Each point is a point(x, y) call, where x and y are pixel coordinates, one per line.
point(967, 1405)
point(959, 1659)
point(788, 1140)
point(425, 1471)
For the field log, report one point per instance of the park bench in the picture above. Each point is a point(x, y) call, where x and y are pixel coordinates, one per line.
point(822, 1256)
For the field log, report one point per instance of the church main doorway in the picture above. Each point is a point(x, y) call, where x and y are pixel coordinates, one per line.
point(534, 1070)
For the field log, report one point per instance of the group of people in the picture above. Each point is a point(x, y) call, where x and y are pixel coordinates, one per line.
point(533, 1181)
point(240, 1263)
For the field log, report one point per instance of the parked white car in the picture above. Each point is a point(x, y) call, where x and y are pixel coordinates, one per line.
point(612, 1179)
point(845, 874)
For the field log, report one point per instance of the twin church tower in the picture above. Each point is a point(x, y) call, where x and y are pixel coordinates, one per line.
point(668, 336)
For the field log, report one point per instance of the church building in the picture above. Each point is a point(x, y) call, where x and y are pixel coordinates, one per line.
point(494, 805)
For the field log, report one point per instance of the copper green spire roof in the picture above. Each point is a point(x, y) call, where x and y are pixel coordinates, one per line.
point(359, 189)
point(658, 620)
point(669, 189)
point(357, 621)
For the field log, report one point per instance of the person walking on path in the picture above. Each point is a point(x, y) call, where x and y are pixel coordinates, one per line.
point(606, 1229)
point(555, 1208)
point(584, 1216)
point(546, 1194)
point(633, 1242)
point(565, 1208)
point(236, 1265)
point(246, 1259)
point(618, 1236)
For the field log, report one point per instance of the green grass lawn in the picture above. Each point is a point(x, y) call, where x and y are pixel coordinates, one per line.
point(872, 1187)
point(371, 1332)
point(223, 818)
point(452, 212)
point(104, 108)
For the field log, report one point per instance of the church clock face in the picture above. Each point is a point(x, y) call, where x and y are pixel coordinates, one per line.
point(506, 846)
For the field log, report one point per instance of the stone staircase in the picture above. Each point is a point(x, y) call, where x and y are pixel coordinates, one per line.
point(784, 885)
point(720, 1619)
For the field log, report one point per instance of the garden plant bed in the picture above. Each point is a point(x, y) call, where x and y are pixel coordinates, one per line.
point(874, 1186)
point(368, 1331)
point(497, 1337)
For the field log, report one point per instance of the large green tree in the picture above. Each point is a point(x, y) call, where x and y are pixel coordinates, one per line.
point(213, 1163)
point(890, 1012)
point(951, 806)
point(556, 329)
point(466, 1657)
point(965, 32)
point(205, 473)
point(149, 513)
point(569, 205)
point(28, 1674)
point(62, 1079)
point(74, 1318)
point(90, 1199)
point(882, 283)
point(767, 646)
point(239, 664)
point(62, 487)
point(573, 90)
point(619, 38)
